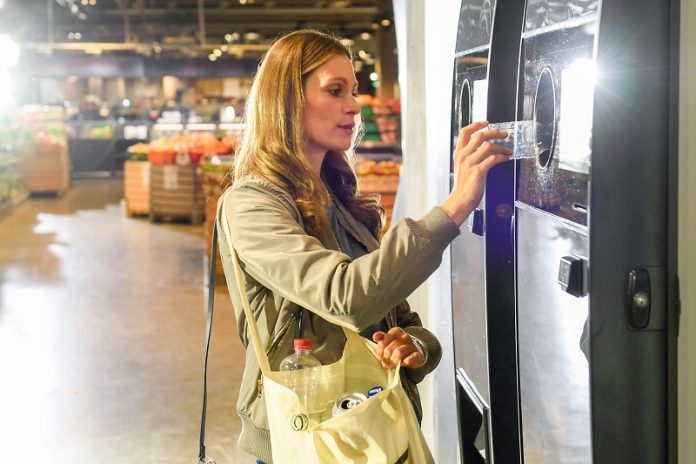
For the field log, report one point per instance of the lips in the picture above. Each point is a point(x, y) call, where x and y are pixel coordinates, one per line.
point(347, 126)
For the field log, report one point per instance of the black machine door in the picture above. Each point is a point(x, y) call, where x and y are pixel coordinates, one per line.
point(482, 275)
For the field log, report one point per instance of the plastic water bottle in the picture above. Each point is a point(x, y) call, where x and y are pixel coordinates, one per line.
point(521, 139)
point(301, 376)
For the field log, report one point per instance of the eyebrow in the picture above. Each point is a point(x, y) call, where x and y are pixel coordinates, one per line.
point(342, 80)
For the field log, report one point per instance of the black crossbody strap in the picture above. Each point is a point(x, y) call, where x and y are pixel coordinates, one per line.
point(208, 331)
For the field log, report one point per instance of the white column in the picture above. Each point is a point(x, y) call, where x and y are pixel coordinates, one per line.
point(425, 80)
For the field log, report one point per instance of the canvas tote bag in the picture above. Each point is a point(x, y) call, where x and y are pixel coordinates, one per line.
point(377, 431)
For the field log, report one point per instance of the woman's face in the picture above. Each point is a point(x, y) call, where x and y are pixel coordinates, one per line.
point(330, 107)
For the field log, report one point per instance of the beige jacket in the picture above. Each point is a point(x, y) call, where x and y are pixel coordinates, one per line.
point(285, 268)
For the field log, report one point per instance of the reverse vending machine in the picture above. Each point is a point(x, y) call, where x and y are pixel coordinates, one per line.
point(573, 268)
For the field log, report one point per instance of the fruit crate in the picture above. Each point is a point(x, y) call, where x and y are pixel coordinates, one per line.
point(385, 186)
point(46, 169)
point(372, 183)
point(136, 187)
point(175, 193)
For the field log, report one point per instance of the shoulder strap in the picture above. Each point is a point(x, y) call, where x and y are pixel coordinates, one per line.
point(255, 336)
point(251, 321)
point(209, 327)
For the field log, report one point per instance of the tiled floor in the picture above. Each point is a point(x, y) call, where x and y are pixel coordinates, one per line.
point(101, 337)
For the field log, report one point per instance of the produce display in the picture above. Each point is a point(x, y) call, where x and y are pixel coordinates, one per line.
point(45, 166)
point(215, 175)
point(183, 149)
point(366, 167)
point(11, 140)
point(381, 120)
point(99, 131)
point(382, 177)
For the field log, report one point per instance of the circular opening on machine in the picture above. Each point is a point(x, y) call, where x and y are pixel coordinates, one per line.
point(545, 118)
point(465, 104)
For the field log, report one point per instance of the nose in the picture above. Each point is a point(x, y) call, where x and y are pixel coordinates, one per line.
point(352, 106)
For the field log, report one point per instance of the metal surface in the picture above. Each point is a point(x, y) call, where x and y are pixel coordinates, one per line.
point(554, 372)
point(557, 92)
point(543, 13)
point(470, 99)
point(475, 24)
point(468, 285)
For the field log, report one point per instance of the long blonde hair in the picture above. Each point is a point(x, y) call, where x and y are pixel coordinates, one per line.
point(272, 146)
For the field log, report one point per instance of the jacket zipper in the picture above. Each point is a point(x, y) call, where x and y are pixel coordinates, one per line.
point(283, 337)
point(391, 322)
point(333, 234)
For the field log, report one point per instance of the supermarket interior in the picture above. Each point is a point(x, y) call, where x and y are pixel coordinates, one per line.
point(120, 121)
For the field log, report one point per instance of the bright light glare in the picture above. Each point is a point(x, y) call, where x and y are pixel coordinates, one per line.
point(5, 88)
point(575, 123)
point(9, 52)
point(374, 76)
point(126, 102)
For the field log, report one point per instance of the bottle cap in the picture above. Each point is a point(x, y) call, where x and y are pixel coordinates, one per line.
point(302, 344)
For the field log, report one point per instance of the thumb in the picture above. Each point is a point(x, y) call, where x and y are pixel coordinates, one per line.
point(377, 336)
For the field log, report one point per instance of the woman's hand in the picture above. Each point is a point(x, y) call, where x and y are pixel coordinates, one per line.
point(397, 345)
point(473, 157)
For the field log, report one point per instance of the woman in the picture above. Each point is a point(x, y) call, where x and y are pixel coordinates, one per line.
point(307, 239)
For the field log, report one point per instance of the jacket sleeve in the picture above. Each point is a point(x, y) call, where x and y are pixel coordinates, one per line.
point(275, 250)
point(411, 323)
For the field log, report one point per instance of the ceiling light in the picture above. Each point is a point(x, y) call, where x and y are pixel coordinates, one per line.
point(74, 9)
point(78, 36)
point(223, 48)
point(82, 16)
point(92, 2)
point(212, 57)
point(242, 2)
point(228, 38)
point(85, 2)
point(365, 35)
point(385, 22)
point(347, 42)
point(71, 35)
point(217, 52)
point(374, 76)
point(252, 35)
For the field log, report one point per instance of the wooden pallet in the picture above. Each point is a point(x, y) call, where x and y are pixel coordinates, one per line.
point(386, 187)
point(136, 188)
point(46, 172)
point(175, 193)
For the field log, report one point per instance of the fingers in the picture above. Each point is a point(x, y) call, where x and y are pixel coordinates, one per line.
point(488, 150)
point(465, 133)
point(479, 138)
point(397, 346)
point(473, 144)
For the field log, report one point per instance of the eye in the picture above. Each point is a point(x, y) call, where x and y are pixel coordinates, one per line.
point(335, 91)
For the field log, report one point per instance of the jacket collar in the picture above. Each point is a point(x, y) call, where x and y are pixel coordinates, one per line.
point(354, 227)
